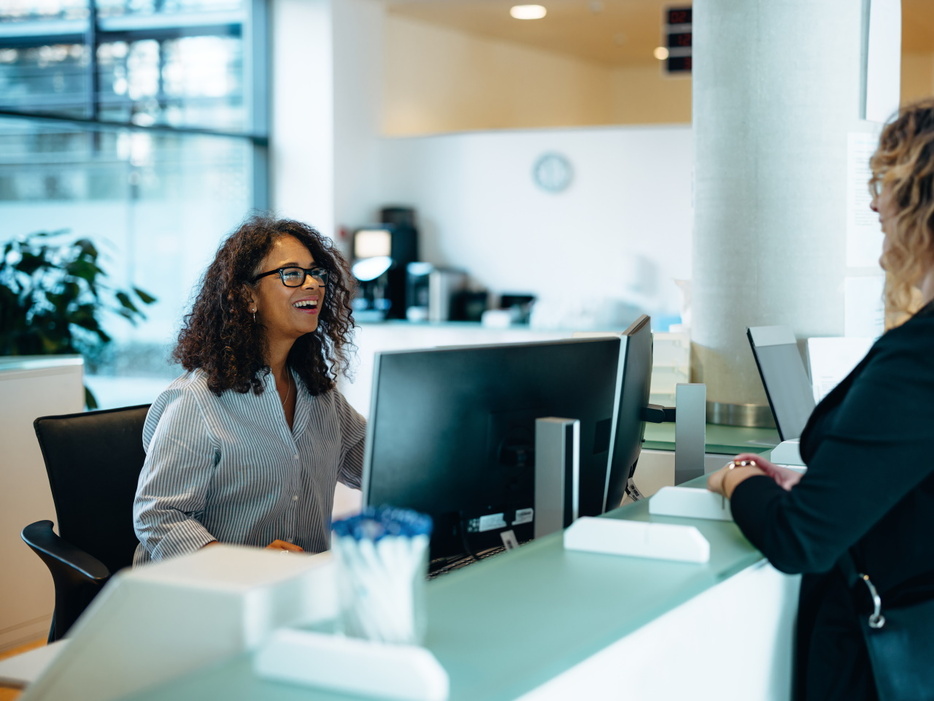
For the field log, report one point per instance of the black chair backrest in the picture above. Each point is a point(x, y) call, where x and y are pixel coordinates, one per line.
point(93, 460)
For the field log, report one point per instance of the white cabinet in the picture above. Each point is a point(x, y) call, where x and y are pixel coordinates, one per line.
point(29, 387)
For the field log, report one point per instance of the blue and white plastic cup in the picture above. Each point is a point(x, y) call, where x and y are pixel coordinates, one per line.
point(382, 565)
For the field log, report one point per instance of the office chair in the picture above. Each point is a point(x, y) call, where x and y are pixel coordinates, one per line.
point(93, 460)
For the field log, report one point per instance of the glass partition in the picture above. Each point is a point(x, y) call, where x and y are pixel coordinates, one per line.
point(139, 124)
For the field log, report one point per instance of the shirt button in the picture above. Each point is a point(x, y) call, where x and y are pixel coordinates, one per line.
point(295, 497)
point(295, 457)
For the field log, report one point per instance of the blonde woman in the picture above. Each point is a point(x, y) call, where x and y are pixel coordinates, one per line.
point(869, 486)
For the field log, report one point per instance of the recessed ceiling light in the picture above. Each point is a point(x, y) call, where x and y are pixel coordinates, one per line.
point(661, 53)
point(527, 11)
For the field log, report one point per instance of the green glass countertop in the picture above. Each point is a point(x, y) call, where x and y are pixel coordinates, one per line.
point(726, 440)
point(506, 625)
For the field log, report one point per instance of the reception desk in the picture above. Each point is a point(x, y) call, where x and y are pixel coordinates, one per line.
point(539, 622)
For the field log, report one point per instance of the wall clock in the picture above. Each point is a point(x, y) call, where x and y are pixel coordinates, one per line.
point(552, 172)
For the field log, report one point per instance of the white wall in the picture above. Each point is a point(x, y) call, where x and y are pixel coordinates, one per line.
point(302, 123)
point(327, 67)
point(358, 80)
point(618, 236)
point(621, 231)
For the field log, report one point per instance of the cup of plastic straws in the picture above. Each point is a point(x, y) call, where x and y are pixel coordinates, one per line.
point(382, 564)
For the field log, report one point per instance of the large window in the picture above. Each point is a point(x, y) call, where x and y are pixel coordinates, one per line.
point(139, 124)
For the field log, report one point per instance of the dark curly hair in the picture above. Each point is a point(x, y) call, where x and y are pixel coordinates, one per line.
point(220, 337)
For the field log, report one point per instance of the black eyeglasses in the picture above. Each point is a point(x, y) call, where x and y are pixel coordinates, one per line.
point(295, 276)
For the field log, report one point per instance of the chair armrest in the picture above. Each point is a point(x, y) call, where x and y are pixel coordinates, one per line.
point(55, 550)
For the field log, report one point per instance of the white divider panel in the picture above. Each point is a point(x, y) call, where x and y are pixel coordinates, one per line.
point(660, 541)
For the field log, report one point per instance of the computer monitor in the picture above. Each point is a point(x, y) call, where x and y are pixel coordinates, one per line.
point(784, 378)
point(634, 384)
point(451, 433)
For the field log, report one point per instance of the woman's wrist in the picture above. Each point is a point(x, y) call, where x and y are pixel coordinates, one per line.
point(748, 468)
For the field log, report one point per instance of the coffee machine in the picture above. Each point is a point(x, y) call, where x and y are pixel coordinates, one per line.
point(380, 255)
point(435, 293)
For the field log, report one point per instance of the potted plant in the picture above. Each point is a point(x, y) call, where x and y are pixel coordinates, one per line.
point(53, 297)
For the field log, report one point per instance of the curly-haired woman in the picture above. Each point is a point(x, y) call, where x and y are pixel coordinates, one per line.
point(869, 486)
point(247, 446)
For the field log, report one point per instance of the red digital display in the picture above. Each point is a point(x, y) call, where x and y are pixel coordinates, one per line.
point(678, 64)
point(681, 15)
point(679, 40)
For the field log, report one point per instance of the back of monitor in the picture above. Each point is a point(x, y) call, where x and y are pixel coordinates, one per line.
point(784, 377)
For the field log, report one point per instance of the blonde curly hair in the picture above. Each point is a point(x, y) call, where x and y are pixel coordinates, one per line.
point(904, 163)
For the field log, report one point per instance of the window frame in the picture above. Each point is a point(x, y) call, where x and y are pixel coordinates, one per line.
point(250, 24)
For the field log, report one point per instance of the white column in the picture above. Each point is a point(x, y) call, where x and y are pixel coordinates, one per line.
point(327, 58)
point(778, 85)
point(302, 122)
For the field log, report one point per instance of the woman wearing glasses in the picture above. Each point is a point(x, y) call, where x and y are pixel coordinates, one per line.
point(247, 446)
point(869, 486)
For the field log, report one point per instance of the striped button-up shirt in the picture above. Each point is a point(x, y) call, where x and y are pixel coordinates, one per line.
point(229, 468)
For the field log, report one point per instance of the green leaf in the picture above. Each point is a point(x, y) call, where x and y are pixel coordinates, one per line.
point(89, 399)
point(144, 296)
point(30, 263)
point(85, 317)
point(87, 248)
point(55, 346)
point(84, 269)
point(70, 292)
point(127, 303)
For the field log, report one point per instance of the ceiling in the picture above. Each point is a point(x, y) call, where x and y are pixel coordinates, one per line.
point(609, 32)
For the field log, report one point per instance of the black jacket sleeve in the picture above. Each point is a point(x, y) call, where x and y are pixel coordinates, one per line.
point(870, 464)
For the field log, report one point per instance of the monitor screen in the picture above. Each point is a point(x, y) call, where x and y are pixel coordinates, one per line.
point(784, 378)
point(451, 433)
point(634, 384)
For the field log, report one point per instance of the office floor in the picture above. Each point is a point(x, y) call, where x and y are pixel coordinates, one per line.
point(6, 693)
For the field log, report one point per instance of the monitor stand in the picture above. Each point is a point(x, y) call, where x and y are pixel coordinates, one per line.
point(557, 473)
point(690, 431)
point(690, 418)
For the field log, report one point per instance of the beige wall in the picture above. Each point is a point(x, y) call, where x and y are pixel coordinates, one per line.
point(917, 76)
point(645, 95)
point(440, 80)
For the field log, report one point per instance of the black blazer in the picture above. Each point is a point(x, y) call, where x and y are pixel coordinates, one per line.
point(869, 448)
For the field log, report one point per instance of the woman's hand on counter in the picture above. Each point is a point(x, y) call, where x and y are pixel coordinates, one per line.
point(285, 546)
point(748, 465)
point(784, 478)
